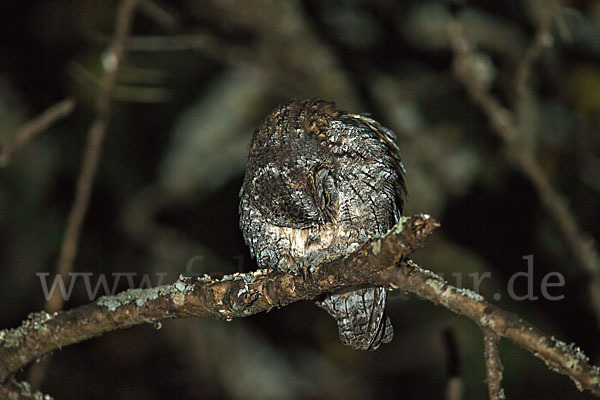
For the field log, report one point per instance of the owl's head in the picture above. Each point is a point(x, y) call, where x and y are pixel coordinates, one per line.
point(310, 164)
point(291, 175)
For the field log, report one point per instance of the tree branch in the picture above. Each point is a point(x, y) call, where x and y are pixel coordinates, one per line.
point(455, 389)
point(37, 125)
point(93, 150)
point(542, 40)
point(560, 357)
point(382, 261)
point(493, 365)
point(112, 60)
point(234, 296)
point(466, 65)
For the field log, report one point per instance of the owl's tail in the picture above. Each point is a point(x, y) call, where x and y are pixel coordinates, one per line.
point(360, 315)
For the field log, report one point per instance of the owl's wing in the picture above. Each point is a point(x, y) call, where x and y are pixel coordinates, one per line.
point(388, 137)
point(280, 202)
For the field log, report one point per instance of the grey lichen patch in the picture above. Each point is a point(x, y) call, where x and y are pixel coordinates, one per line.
point(576, 354)
point(142, 296)
point(397, 229)
point(177, 291)
point(36, 322)
point(247, 277)
point(203, 278)
point(351, 248)
point(596, 372)
point(248, 295)
point(111, 302)
point(178, 299)
point(470, 294)
point(123, 298)
point(427, 272)
point(182, 286)
point(376, 247)
point(179, 285)
point(439, 286)
point(442, 288)
point(487, 322)
point(242, 291)
point(24, 390)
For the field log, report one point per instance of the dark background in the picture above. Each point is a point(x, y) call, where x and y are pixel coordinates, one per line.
point(173, 160)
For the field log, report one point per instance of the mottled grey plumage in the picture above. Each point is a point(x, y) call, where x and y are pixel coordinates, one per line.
point(320, 182)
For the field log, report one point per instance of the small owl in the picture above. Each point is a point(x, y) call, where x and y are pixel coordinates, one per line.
point(319, 183)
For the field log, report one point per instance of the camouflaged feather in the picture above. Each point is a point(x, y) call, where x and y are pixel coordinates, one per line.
point(319, 182)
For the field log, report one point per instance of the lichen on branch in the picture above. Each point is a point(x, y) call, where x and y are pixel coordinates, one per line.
point(234, 296)
point(382, 261)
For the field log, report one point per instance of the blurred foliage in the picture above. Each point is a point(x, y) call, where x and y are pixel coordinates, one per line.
point(198, 78)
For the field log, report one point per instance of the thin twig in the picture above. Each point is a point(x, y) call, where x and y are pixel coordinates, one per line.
point(93, 148)
point(379, 262)
point(212, 45)
point(208, 43)
point(127, 93)
point(582, 247)
point(235, 296)
point(160, 15)
point(113, 60)
point(493, 365)
point(455, 388)
point(542, 40)
point(37, 125)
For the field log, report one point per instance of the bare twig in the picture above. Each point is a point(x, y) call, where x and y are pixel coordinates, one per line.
point(213, 46)
point(581, 245)
point(379, 262)
point(193, 41)
point(127, 93)
point(160, 15)
point(455, 388)
point(560, 357)
point(112, 61)
point(37, 125)
point(234, 296)
point(493, 365)
point(114, 57)
point(542, 40)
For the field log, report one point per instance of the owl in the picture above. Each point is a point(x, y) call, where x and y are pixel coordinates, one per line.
point(319, 183)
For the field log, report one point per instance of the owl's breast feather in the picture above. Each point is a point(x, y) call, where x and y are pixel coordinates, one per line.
point(305, 244)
